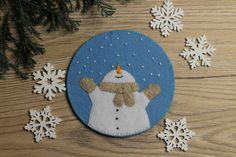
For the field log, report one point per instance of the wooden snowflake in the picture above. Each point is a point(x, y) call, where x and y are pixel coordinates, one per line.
point(176, 134)
point(42, 124)
point(49, 81)
point(198, 52)
point(167, 18)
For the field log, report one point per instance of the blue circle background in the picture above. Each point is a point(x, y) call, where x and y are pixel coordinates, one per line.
point(143, 58)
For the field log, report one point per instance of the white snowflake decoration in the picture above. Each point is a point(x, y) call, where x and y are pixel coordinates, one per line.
point(42, 124)
point(198, 52)
point(49, 81)
point(167, 18)
point(176, 134)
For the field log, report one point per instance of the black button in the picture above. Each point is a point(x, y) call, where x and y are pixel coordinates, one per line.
point(117, 110)
point(117, 128)
point(117, 118)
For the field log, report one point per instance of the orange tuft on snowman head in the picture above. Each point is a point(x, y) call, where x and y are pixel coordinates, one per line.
point(118, 69)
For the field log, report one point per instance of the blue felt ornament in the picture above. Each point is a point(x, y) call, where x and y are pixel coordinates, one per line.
point(137, 54)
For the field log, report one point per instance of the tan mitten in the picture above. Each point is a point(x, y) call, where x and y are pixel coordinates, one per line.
point(87, 84)
point(152, 91)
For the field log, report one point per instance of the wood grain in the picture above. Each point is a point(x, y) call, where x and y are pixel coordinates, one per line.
point(205, 96)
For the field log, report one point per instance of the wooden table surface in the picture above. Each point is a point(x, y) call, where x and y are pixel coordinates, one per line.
point(205, 96)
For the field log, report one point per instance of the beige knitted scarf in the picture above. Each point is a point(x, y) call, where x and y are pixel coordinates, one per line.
point(123, 92)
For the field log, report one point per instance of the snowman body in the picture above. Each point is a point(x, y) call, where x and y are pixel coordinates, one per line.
point(118, 121)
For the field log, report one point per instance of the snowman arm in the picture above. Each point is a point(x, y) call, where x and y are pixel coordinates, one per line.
point(87, 84)
point(152, 91)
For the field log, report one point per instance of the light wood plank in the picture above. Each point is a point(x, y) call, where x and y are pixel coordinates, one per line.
point(205, 96)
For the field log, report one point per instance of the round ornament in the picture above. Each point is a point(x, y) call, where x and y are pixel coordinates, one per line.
point(120, 83)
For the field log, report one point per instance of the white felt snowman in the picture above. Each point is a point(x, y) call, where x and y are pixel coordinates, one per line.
point(118, 108)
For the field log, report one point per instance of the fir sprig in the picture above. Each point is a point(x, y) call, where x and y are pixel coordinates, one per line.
point(106, 10)
point(24, 15)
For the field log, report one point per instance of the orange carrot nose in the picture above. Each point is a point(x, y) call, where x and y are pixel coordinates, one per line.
point(118, 69)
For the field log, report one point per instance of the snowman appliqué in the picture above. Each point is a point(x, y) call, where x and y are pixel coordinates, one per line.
point(118, 108)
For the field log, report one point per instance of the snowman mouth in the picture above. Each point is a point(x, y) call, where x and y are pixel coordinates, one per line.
point(119, 76)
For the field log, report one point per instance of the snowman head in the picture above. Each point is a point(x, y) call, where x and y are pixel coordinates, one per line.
point(122, 84)
point(118, 76)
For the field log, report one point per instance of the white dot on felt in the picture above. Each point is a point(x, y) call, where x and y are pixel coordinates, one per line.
point(158, 75)
point(92, 71)
point(118, 55)
point(112, 66)
point(134, 54)
point(87, 57)
point(100, 73)
point(129, 33)
point(106, 37)
point(144, 79)
point(129, 64)
point(110, 44)
point(84, 66)
point(142, 66)
point(153, 58)
point(104, 61)
point(126, 43)
point(151, 74)
point(148, 50)
point(90, 49)
point(101, 47)
point(94, 61)
point(141, 39)
point(79, 72)
point(77, 62)
point(117, 38)
point(160, 63)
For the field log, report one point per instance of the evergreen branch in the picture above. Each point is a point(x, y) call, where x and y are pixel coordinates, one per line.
point(2, 4)
point(55, 14)
point(77, 5)
point(106, 10)
point(68, 23)
point(24, 15)
point(5, 37)
point(25, 48)
point(87, 5)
